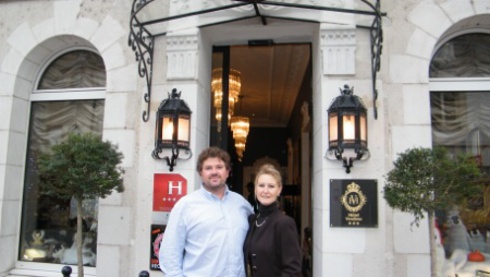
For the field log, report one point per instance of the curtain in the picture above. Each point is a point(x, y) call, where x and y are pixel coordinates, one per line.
point(52, 122)
point(77, 69)
point(463, 56)
point(457, 114)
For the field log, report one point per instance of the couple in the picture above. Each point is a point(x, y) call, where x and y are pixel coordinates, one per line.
point(208, 235)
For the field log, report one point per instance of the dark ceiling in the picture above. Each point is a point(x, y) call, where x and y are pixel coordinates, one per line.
point(271, 80)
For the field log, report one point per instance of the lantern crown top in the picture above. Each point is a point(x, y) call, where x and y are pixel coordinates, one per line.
point(347, 90)
point(175, 94)
point(174, 103)
point(347, 101)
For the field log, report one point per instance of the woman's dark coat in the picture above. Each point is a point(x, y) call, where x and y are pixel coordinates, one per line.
point(273, 249)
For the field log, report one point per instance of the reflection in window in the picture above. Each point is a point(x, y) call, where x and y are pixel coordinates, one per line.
point(77, 69)
point(463, 56)
point(49, 223)
point(461, 123)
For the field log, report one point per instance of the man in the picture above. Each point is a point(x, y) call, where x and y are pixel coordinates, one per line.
point(206, 229)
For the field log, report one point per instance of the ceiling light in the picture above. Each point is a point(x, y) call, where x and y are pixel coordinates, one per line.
point(240, 125)
point(234, 85)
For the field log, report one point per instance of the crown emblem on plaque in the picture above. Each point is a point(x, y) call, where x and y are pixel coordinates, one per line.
point(353, 199)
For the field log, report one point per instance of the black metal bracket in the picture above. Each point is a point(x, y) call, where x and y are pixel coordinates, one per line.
point(171, 160)
point(376, 40)
point(348, 162)
point(142, 43)
point(141, 40)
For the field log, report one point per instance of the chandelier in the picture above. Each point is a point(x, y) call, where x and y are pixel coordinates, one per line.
point(240, 125)
point(234, 85)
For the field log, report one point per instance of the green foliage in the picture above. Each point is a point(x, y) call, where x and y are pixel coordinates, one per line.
point(82, 166)
point(429, 179)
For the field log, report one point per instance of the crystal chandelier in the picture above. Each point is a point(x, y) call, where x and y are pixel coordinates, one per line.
point(240, 125)
point(234, 85)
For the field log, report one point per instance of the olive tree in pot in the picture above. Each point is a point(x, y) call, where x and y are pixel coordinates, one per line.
point(81, 167)
point(424, 180)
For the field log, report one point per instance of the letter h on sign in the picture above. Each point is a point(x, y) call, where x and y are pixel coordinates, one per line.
point(167, 190)
point(172, 185)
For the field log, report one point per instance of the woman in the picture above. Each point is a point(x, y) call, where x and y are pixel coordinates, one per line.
point(271, 247)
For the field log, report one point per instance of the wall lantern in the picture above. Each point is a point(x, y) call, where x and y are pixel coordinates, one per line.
point(172, 129)
point(347, 129)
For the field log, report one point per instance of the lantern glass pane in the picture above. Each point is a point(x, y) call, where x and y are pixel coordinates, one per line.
point(363, 127)
point(167, 128)
point(333, 133)
point(184, 129)
point(349, 126)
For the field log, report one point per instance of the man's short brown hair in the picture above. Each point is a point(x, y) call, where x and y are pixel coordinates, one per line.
point(213, 152)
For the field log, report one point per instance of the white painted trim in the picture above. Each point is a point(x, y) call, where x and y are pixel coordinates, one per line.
point(459, 84)
point(68, 94)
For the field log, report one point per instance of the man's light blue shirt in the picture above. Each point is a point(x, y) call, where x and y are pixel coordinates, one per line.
point(204, 236)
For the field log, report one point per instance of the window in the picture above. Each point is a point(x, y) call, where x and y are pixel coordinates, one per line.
point(69, 98)
point(460, 114)
point(463, 56)
point(460, 121)
point(460, 96)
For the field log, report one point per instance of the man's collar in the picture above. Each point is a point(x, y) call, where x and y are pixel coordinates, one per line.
point(210, 194)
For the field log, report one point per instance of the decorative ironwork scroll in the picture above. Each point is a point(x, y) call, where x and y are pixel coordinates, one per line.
point(142, 43)
point(376, 36)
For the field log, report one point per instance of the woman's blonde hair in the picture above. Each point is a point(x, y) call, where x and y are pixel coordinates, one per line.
point(269, 169)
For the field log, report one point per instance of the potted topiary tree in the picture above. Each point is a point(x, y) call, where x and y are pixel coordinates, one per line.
point(424, 180)
point(81, 167)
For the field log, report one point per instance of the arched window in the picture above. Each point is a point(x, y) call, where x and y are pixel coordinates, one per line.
point(69, 98)
point(460, 96)
point(460, 118)
point(76, 69)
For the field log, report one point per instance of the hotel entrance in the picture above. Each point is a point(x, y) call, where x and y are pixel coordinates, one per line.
point(261, 114)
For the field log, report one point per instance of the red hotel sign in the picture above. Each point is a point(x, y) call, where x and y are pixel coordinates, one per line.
point(167, 190)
